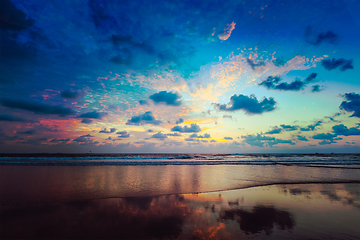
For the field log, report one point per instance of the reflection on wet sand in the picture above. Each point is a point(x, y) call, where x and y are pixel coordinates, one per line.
point(260, 218)
point(272, 212)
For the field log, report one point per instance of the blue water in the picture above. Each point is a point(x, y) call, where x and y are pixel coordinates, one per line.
point(326, 160)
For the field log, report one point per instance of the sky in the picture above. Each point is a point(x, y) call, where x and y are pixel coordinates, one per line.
point(179, 76)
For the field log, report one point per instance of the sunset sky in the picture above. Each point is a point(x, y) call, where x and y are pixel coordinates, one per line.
point(179, 76)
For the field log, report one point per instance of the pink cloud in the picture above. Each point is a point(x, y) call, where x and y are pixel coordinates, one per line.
point(227, 31)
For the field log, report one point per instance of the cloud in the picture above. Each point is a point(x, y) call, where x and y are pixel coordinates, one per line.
point(86, 120)
point(277, 141)
point(37, 108)
point(311, 127)
point(259, 141)
point(227, 116)
point(254, 65)
point(206, 135)
point(352, 104)
point(9, 118)
point(142, 119)
point(276, 130)
point(289, 127)
point(279, 62)
point(284, 127)
point(316, 88)
point(159, 135)
point(28, 132)
point(174, 134)
point(297, 85)
point(318, 38)
point(343, 130)
point(70, 94)
point(169, 98)
point(180, 121)
point(228, 138)
point(324, 136)
point(324, 142)
point(193, 128)
point(83, 139)
point(250, 105)
point(330, 64)
point(123, 134)
point(13, 18)
point(143, 102)
point(106, 131)
point(94, 115)
point(302, 138)
point(227, 31)
point(57, 140)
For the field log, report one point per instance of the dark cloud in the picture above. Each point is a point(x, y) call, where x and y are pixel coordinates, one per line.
point(276, 130)
point(123, 134)
point(86, 120)
point(302, 138)
point(56, 140)
point(70, 94)
point(325, 142)
point(318, 38)
point(277, 141)
point(12, 18)
point(316, 88)
point(352, 104)
point(324, 136)
point(206, 135)
point(94, 115)
point(174, 134)
point(193, 128)
point(345, 131)
point(289, 127)
point(192, 140)
point(311, 77)
point(37, 108)
point(28, 132)
point(142, 119)
point(10, 118)
point(228, 138)
point(84, 139)
point(279, 62)
point(341, 63)
point(159, 135)
point(311, 127)
point(180, 121)
point(297, 85)
point(227, 116)
point(250, 105)
point(259, 141)
point(107, 131)
point(143, 102)
point(284, 127)
point(169, 98)
point(254, 65)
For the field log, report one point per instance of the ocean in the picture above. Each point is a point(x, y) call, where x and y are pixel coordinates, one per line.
point(180, 196)
point(339, 160)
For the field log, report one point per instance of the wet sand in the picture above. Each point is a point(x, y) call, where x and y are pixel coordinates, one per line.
point(167, 203)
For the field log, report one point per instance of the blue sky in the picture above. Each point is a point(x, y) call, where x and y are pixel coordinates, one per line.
point(180, 76)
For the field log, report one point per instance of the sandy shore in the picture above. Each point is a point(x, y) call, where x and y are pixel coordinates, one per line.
point(179, 202)
point(295, 211)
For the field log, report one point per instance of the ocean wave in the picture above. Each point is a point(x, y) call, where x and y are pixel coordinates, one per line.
point(181, 159)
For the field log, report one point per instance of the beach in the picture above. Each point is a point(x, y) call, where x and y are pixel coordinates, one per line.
point(179, 202)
